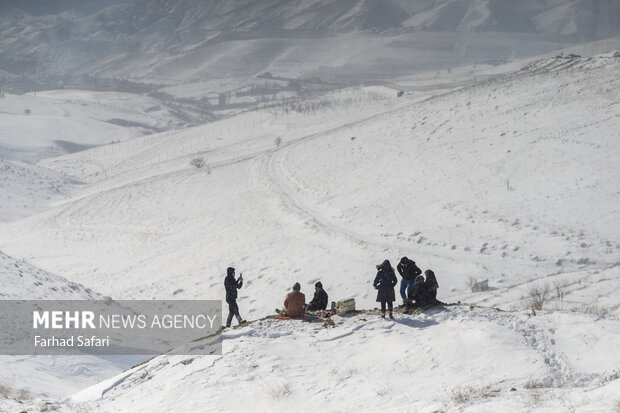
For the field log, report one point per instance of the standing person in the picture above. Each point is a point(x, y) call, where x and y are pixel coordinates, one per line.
point(384, 283)
point(232, 286)
point(320, 299)
point(295, 302)
point(409, 271)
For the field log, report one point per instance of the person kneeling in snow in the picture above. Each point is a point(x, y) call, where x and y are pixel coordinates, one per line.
point(295, 302)
point(319, 302)
point(384, 283)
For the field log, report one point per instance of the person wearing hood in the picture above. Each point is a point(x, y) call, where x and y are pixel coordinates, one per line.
point(408, 271)
point(385, 281)
point(232, 285)
point(320, 299)
point(431, 286)
point(295, 302)
point(417, 294)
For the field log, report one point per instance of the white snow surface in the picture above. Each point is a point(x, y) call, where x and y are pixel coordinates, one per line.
point(32, 377)
point(465, 359)
point(514, 180)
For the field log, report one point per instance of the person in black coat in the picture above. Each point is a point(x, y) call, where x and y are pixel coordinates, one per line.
point(408, 271)
point(417, 294)
point(384, 283)
point(320, 299)
point(431, 286)
point(232, 285)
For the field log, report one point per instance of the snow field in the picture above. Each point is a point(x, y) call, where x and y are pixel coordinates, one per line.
point(445, 360)
point(512, 180)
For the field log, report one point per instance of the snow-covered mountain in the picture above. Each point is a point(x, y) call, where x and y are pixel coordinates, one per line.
point(177, 41)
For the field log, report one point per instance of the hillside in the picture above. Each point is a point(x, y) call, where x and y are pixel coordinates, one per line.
point(512, 180)
point(439, 361)
point(31, 379)
point(357, 178)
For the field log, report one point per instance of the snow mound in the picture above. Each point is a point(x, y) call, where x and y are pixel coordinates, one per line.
point(22, 281)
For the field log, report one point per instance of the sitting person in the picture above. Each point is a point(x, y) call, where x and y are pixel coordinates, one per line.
point(416, 294)
point(319, 302)
point(431, 286)
point(295, 302)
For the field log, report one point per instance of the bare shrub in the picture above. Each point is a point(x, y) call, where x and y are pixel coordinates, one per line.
point(198, 162)
point(534, 384)
point(20, 395)
point(279, 392)
point(538, 295)
point(462, 395)
point(592, 309)
point(49, 407)
point(27, 112)
point(559, 288)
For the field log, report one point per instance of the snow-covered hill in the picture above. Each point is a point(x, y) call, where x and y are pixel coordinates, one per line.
point(31, 379)
point(40, 125)
point(513, 180)
point(22, 281)
point(459, 359)
point(451, 181)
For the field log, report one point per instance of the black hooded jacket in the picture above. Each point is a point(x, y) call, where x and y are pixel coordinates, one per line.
point(231, 285)
point(319, 301)
point(407, 269)
point(385, 282)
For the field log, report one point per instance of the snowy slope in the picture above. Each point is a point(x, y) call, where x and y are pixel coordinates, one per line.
point(26, 189)
point(513, 180)
point(459, 359)
point(438, 180)
point(45, 124)
point(21, 280)
point(30, 378)
point(74, 120)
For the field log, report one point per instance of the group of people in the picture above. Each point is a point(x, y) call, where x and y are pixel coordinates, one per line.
point(415, 290)
point(294, 304)
point(295, 301)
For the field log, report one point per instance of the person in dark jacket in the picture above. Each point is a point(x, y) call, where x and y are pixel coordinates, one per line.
point(408, 271)
point(417, 294)
point(320, 299)
point(384, 283)
point(431, 286)
point(232, 285)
